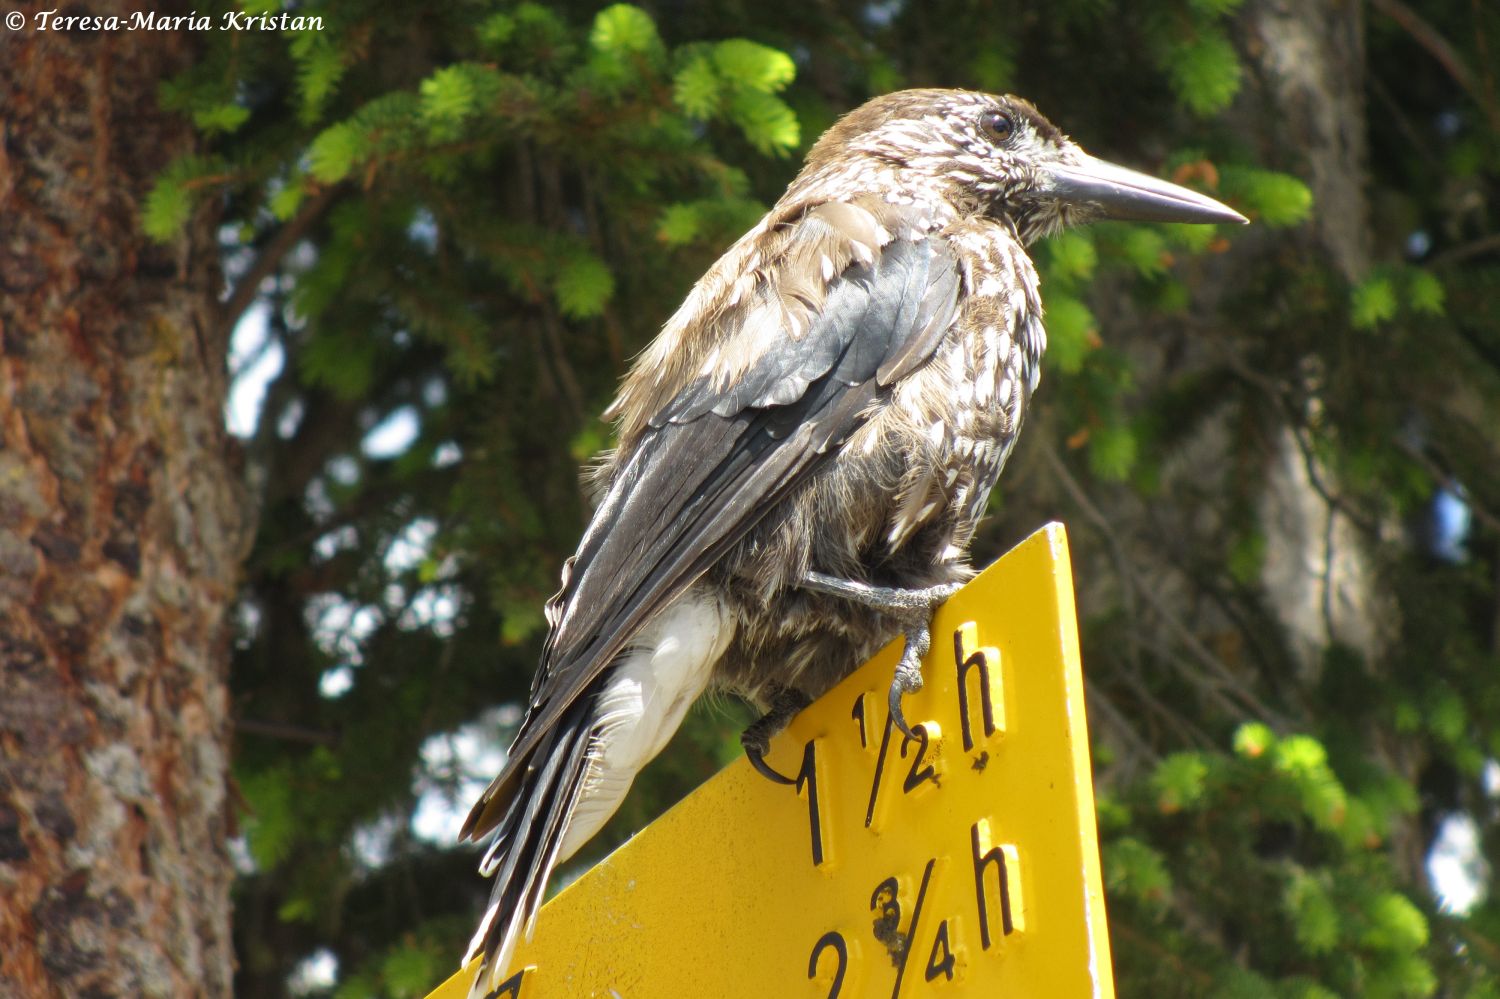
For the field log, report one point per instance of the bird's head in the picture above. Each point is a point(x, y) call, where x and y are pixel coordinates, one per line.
point(999, 156)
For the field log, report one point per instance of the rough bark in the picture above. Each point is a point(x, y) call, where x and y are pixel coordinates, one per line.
point(1309, 58)
point(1310, 63)
point(120, 537)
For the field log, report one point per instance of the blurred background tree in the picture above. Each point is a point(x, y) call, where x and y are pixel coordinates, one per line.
point(446, 231)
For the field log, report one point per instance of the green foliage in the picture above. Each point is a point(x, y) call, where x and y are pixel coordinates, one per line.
point(1146, 251)
point(766, 120)
point(1247, 558)
point(583, 286)
point(1205, 73)
point(270, 826)
point(1137, 871)
point(754, 67)
point(1313, 912)
point(1112, 451)
point(624, 42)
point(1304, 763)
point(320, 65)
point(1394, 924)
point(1070, 325)
point(1179, 781)
point(739, 80)
point(454, 94)
point(339, 363)
point(495, 30)
point(411, 971)
point(1274, 199)
point(1071, 255)
point(696, 88)
point(166, 210)
point(334, 152)
point(1253, 739)
point(622, 29)
point(1214, 8)
point(224, 117)
point(1214, 814)
point(286, 199)
point(1195, 239)
point(496, 205)
point(171, 200)
point(1424, 292)
point(1372, 302)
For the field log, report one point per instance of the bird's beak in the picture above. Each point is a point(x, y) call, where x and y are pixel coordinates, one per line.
point(1118, 193)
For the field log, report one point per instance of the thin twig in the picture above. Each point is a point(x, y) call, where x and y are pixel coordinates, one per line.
point(1416, 141)
point(1127, 934)
point(1448, 57)
point(1218, 670)
point(270, 258)
point(556, 352)
point(285, 731)
point(1101, 703)
point(1465, 251)
point(1479, 512)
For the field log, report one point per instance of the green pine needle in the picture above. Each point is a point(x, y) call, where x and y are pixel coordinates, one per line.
point(755, 67)
point(624, 28)
point(583, 287)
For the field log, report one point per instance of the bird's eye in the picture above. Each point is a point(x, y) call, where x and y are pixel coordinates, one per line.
point(997, 125)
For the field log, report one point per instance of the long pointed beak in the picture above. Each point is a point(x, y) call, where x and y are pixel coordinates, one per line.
point(1119, 193)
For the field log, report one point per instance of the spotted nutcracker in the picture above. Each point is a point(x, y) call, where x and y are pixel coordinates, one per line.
point(803, 454)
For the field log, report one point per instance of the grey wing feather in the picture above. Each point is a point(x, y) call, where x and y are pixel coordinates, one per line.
point(883, 320)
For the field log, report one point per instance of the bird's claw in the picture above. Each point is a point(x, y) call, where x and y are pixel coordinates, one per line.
point(908, 680)
point(911, 607)
point(756, 739)
point(908, 676)
point(756, 755)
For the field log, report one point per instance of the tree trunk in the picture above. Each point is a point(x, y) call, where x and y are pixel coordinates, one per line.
point(120, 536)
point(1309, 60)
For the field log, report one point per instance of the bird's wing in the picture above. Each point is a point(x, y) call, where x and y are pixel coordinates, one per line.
point(720, 454)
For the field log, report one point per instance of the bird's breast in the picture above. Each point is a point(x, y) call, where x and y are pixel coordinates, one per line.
point(952, 422)
point(899, 501)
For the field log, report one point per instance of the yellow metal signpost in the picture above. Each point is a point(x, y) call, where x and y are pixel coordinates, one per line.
point(963, 862)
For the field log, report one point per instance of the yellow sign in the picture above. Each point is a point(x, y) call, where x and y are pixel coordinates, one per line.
point(961, 862)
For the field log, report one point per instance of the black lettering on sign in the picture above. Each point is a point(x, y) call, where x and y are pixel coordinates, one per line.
point(918, 773)
point(511, 987)
point(967, 655)
point(885, 902)
point(1007, 867)
point(834, 939)
point(940, 961)
point(807, 778)
point(858, 714)
point(885, 745)
point(911, 931)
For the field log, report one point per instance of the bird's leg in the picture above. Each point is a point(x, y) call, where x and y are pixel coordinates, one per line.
point(785, 703)
point(911, 608)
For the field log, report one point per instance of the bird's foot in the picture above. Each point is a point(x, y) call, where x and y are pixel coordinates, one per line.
point(908, 678)
point(913, 608)
point(786, 702)
point(887, 599)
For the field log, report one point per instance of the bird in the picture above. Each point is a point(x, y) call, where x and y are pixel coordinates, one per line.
point(802, 456)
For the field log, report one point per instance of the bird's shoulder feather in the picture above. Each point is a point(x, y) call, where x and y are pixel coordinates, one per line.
point(764, 293)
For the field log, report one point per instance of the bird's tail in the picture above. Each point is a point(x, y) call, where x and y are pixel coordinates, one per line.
point(533, 799)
